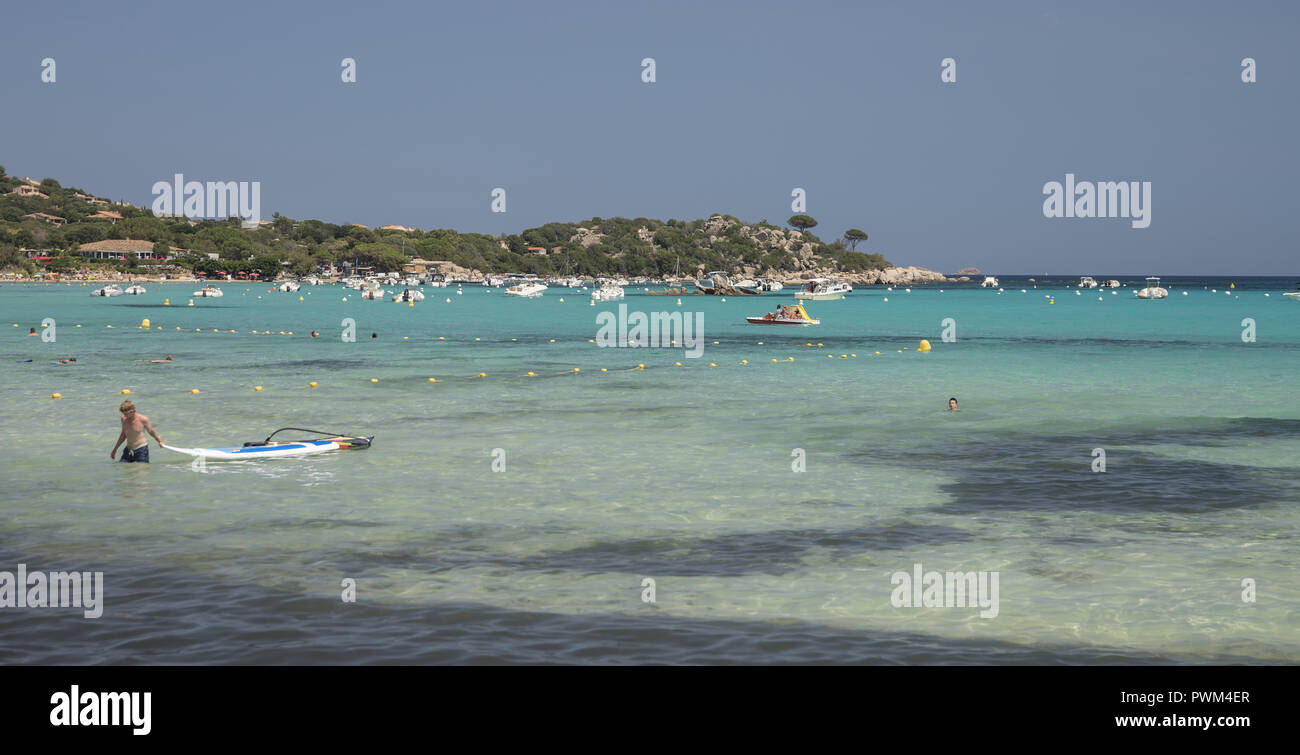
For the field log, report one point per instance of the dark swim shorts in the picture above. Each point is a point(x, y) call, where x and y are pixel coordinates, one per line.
point(140, 454)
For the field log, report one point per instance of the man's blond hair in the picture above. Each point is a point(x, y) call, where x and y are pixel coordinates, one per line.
point(127, 407)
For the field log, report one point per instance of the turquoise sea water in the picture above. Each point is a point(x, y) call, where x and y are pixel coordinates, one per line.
point(679, 474)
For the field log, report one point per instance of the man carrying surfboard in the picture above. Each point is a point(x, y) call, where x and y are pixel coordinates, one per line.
point(134, 427)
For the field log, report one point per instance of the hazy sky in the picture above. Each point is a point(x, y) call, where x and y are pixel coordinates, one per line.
point(751, 100)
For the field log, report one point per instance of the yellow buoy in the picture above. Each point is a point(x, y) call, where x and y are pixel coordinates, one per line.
point(602, 369)
point(532, 374)
point(924, 345)
point(194, 391)
point(677, 364)
point(56, 395)
point(410, 304)
point(774, 361)
point(126, 391)
point(744, 361)
point(374, 380)
point(191, 303)
point(167, 302)
point(482, 374)
point(301, 299)
point(257, 387)
point(312, 384)
point(640, 366)
point(575, 369)
point(433, 380)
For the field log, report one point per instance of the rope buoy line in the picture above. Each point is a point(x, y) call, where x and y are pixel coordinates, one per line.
point(482, 375)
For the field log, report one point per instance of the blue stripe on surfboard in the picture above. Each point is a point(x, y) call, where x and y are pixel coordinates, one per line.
point(254, 450)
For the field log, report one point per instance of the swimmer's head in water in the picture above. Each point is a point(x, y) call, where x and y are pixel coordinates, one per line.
point(374, 335)
point(952, 403)
point(127, 408)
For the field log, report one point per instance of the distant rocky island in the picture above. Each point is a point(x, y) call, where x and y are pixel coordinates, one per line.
point(47, 226)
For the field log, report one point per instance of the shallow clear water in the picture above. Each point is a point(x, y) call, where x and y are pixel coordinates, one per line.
point(679, 474)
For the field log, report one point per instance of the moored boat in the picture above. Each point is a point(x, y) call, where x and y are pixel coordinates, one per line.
point(527, 290)
point(134, 290)
point(109, 290)
point(1152, 290)
point(209, 291)
point(410, 294)
point(823, 289)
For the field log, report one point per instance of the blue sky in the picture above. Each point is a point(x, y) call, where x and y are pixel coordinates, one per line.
point(751, 100)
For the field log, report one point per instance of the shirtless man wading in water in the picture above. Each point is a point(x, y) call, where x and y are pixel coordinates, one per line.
point(134, 426)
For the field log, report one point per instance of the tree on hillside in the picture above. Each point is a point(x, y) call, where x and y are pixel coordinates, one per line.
point(853, 236)
point(802, 222)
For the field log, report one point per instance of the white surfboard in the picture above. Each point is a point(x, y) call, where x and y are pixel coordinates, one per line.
point(295, 448)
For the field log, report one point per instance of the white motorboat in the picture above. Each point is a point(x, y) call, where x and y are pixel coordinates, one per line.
point(288, 286)
point(354, 283)
point(1110, 284)
point(1152, 290)
point(312, 281)
point(527, 289)
point(209, 291)
point(823, 289)
point(134, 290)
point(437, 280)
point(410, 294)
point(374, 293)
point(770, 284)
point(607, 292)
point(494, 281)
point(1087, 282)
point(711, 282)
point(989, 282)
point(748, 285)
point(1293, 295)
point(109, 290)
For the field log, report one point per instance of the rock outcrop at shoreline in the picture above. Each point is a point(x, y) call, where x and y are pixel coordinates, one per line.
point(890, 276)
